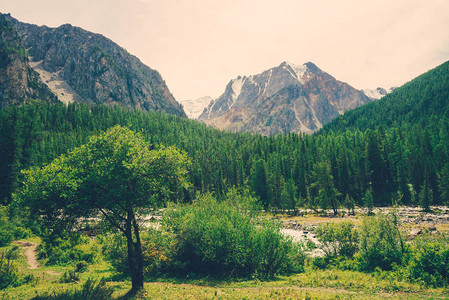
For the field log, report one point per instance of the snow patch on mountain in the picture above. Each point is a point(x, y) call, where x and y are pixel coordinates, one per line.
point(194, 107)
point(298, 72)
point(376, 93)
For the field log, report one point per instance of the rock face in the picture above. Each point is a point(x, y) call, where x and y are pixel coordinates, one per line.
point(287, 98)
point(19, 83)
point(93, 69)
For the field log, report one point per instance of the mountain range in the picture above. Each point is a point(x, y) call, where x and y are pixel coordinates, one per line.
point(71, 64)
point(283, 99)
point(81, 66)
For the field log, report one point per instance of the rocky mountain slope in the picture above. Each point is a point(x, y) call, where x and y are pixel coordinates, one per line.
point(19, 83)
point(287, 98)
point(82, 66)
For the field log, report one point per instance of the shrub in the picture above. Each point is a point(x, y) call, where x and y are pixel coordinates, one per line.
point(429, 261)
point(9, 275)
point(69, 276)
point(66, 249)
point(8, 230)
point(381, 244)
point(115, 251)
point(338, 239)
point(226, 237)
point(81, 267)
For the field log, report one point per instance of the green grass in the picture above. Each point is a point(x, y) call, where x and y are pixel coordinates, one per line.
point(312, 284)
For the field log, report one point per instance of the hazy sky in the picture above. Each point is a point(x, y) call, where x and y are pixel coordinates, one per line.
point(199, 45)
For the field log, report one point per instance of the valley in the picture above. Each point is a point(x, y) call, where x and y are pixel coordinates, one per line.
point(290, 184)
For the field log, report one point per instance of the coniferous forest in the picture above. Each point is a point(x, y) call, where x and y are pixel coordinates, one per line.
point(396, 156)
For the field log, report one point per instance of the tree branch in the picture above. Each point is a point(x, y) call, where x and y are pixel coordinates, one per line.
point(111, 220)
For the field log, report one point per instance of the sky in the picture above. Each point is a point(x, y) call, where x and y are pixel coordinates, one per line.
point(198, 46)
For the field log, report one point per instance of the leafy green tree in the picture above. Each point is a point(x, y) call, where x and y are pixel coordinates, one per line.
point(114, 175)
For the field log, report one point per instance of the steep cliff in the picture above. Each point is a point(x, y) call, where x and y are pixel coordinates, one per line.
point(19, 83)
point(86, 67)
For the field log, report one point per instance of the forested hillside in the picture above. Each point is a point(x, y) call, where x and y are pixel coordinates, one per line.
point(407, 164)
point(416, 102)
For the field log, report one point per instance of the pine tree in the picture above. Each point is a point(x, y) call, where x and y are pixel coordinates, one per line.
point(326, 193)
point(258, 182)
point(349, 204)
point(368, 201)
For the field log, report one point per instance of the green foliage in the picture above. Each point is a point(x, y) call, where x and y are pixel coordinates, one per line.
point(349, 204)
point(258, 182)
point(326, 195)
point(387, 159)
point(115, 251)
point(157, 250)
point(381, 244)
point(338, 239)
point(81, 266)
point(216, 237)
point(9, 231)
point(6, 229)
point(429, 261)
point(9, 275)
point(61, 250)
point(69, 276)
point(368, 201)
point(425, 196)
point(91, 290)
point(116, 175)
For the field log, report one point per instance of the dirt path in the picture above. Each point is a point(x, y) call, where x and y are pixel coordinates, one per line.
point(30, 254)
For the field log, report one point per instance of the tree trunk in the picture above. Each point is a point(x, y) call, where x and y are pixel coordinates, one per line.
point(135, 261)
point(138, 253)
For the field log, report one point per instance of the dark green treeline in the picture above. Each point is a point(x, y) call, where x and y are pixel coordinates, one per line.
point(407, 164)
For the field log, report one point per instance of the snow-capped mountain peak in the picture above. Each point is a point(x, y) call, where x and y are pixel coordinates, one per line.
point(286, 98)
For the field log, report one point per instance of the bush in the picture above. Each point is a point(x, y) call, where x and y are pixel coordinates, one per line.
point(429, 261)
point(66, 249)
point(81, 267)
point(381, 244)
point(8, 230)
point(69, 276)
point(338, 239)
point(9, 275)
point(91, 290)
point(226, 238)
point(115, 251)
